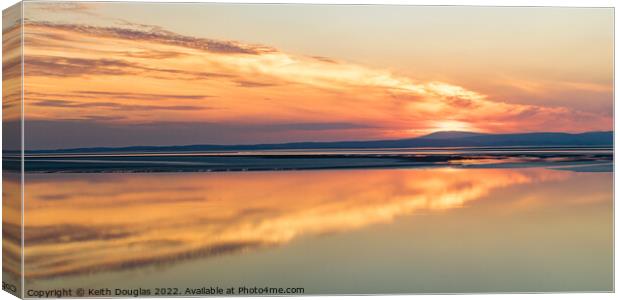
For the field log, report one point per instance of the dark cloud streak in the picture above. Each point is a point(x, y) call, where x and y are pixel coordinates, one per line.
point(62, 67)
point(113, 105)
point(53, 66)
point(253, 84)
point(142, 96)
point(159, 35)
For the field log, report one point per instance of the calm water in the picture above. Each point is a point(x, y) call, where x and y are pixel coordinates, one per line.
point(328, 231)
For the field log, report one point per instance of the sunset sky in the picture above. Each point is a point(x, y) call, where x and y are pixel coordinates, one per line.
point(119, 74)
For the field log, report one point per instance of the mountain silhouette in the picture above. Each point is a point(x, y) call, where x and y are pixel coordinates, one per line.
point(437, 139)
point(451, 135)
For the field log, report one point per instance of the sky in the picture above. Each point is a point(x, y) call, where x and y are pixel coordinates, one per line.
point(120, 74)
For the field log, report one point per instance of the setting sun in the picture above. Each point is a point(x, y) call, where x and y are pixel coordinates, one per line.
point(452, 125)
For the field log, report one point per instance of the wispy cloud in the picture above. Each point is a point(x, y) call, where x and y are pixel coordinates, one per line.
point(159, 35)
point(53, 66)
point(142, 96)
point(252, 84)
point(113, 105)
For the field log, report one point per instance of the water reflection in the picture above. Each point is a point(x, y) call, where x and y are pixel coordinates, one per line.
point(11, 226)
point(78, 223)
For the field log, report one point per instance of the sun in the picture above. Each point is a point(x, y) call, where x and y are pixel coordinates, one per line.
point(452, 125)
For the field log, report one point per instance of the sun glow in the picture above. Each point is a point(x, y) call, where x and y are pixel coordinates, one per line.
point(452, 125)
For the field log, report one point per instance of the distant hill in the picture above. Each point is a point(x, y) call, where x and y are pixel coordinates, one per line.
point(437, 139)
point(451, 135)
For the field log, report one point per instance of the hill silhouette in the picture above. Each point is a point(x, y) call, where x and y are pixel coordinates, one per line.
point(437, 139)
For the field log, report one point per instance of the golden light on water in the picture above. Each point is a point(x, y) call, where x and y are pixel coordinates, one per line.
point(110, 221)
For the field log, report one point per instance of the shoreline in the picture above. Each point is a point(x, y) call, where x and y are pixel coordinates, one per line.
point(289, 162)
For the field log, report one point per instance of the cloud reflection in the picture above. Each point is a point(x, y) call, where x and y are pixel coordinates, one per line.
point(83, 224)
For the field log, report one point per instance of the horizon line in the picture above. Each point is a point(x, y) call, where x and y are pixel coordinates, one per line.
point(315, 142)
